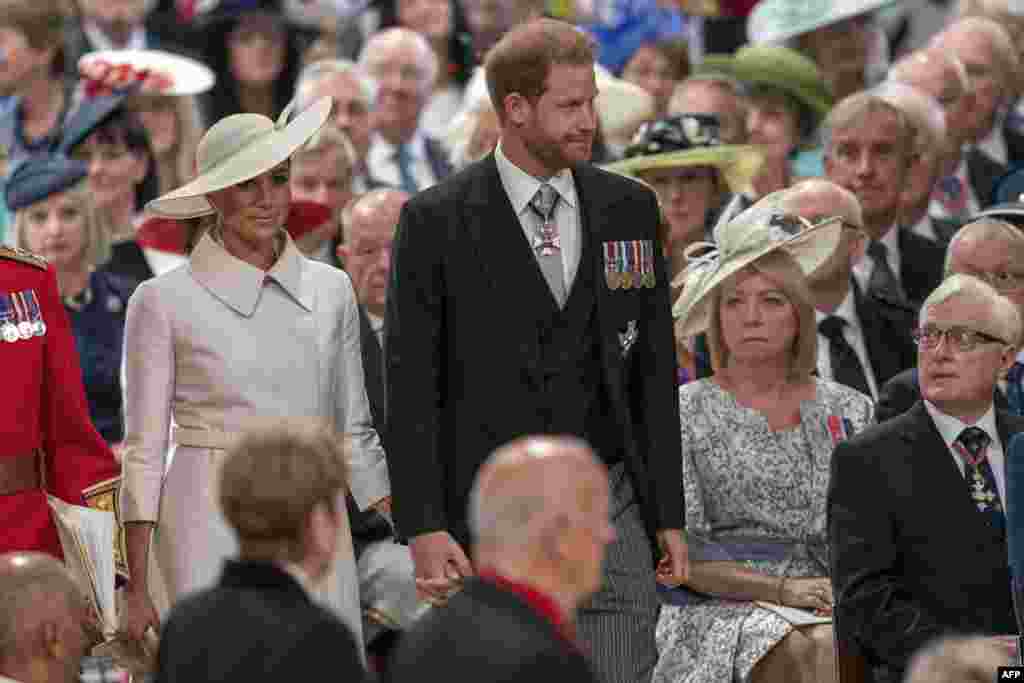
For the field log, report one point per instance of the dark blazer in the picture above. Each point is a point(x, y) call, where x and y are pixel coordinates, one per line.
point(465, 308)
point(886, 326)
point(914, 559)
point(921, 263)
point(1014, 146)
point(437, 156)
point(257, 624)
point(486, 633)
point(983, 173)
point(900, 393)
point(945, 228)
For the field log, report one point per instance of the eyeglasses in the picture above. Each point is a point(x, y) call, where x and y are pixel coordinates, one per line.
point(960, 338)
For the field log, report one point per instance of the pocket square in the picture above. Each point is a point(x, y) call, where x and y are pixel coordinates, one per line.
point(627, 337)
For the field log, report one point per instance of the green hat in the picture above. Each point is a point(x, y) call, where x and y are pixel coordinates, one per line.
point(778, 67)
point(689, 140)
point(774, 21)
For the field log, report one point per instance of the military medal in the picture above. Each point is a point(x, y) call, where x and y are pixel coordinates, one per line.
point(547, 241)
point(8, 329)
point(611, 273)
point(647, 263)
point(626, 268)
point(25, 328)
point(38, 326)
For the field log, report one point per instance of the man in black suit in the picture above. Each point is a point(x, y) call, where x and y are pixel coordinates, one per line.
point(862, 341)
point(989, 249)
point(868, 150)
point(527, 297)
point(539, 512)
point(279, 489)
point(386, 588)
point(401, 154)
point(924, 553)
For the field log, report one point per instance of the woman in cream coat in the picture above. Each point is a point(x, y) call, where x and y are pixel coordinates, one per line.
point(249, 329)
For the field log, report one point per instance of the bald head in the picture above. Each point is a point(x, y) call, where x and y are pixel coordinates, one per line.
point(816, 199)
point(942, 76)
point(40, 602)
point(368, 231)
point(713, 94)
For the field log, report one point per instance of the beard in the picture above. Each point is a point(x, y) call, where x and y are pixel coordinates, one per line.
point(549, 151)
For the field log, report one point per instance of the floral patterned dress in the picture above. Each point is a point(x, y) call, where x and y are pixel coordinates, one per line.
point(745, 482)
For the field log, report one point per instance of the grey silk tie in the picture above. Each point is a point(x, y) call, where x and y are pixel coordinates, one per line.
point(546, 242)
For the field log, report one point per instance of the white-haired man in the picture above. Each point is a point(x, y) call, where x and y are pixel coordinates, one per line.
point(354, 95)
point(401, 154)
point(924, 555)
point(987, 52)
point(992, 250)
point(539, 512)
point(968, 181)
point(861, 341)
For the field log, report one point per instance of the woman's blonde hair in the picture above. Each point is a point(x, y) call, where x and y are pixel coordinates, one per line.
point(779, 267)
point(178, 166)
point(328, 137)
point(96, 234)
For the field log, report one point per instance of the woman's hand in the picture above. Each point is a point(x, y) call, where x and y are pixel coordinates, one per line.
point(814, 594)
point(138, 613)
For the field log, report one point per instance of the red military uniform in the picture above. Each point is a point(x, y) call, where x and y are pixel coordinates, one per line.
point(44, 417)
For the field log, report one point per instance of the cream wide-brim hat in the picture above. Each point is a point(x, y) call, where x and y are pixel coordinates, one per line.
point(750, 235)
point(776, 21)
point(236, 149)
point(738, 164)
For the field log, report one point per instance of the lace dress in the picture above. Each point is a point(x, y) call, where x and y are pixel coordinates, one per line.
point(746, 483)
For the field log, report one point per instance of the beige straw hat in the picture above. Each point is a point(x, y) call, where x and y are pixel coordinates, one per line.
point(239, 148)
point(750, 235)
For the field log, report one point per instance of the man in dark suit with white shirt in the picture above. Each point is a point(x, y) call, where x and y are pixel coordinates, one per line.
point(994, 251)
point(924, 555)
point(527, 297)
point(862, 341)
point(404, 67)
point(868, 150)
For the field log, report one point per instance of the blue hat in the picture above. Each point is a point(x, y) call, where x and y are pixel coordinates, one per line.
point(1009, 187)
point(36, 178)
point(91, 114)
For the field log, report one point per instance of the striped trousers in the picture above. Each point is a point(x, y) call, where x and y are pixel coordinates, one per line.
point(616, 625)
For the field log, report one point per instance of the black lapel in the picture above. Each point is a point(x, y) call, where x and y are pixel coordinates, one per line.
point(503, 252)
point(877, 317)
point(373, 371)
point(983, 173)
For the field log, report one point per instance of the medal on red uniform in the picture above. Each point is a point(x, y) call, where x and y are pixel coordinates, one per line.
point(8, 328)
point(25, 328)
point(35, 313)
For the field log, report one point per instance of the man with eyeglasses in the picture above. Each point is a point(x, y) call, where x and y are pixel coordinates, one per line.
point(915, 511)
point(402, 154)
point(991, 250)
point(861, 342)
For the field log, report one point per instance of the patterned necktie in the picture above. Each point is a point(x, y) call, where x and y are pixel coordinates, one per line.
point(1015, 389)
point(952, 195)
point(972, 447)
point(406, 177)
point(846, 366)
point(883, 282)
point(546, 243)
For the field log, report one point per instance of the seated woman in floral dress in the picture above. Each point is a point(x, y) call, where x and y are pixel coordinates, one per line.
point(757, 442)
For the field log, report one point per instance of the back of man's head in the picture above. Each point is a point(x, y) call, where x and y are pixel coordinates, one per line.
point(527, 496)
point(43, 612)
point(274, 479)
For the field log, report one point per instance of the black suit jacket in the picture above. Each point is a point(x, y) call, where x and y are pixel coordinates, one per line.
point(983, 173)
point(486, 633)
point(257, 624)
point(921, 264)
point(914, 559)
point(900, 393)
point(886, 327)
point(463, 345)
point(1014, 146)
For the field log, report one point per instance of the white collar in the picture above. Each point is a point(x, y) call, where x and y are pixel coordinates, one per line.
point(240, 285)
point(383, 152)
point(1020, 356)
point(521, 186)
point(299, 574)
point(100, 41)
point(847, 310)
point(376, 322)
point(891, 240)
point(5, 679)
point(950, 427)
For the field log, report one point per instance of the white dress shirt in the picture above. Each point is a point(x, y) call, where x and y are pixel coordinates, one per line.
point(950, 427)
point(99, 40)
point(377, 325)
point(935, 208)
point(854, 335)
point(520, 187)
point(866, 266)
point(382, 162)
